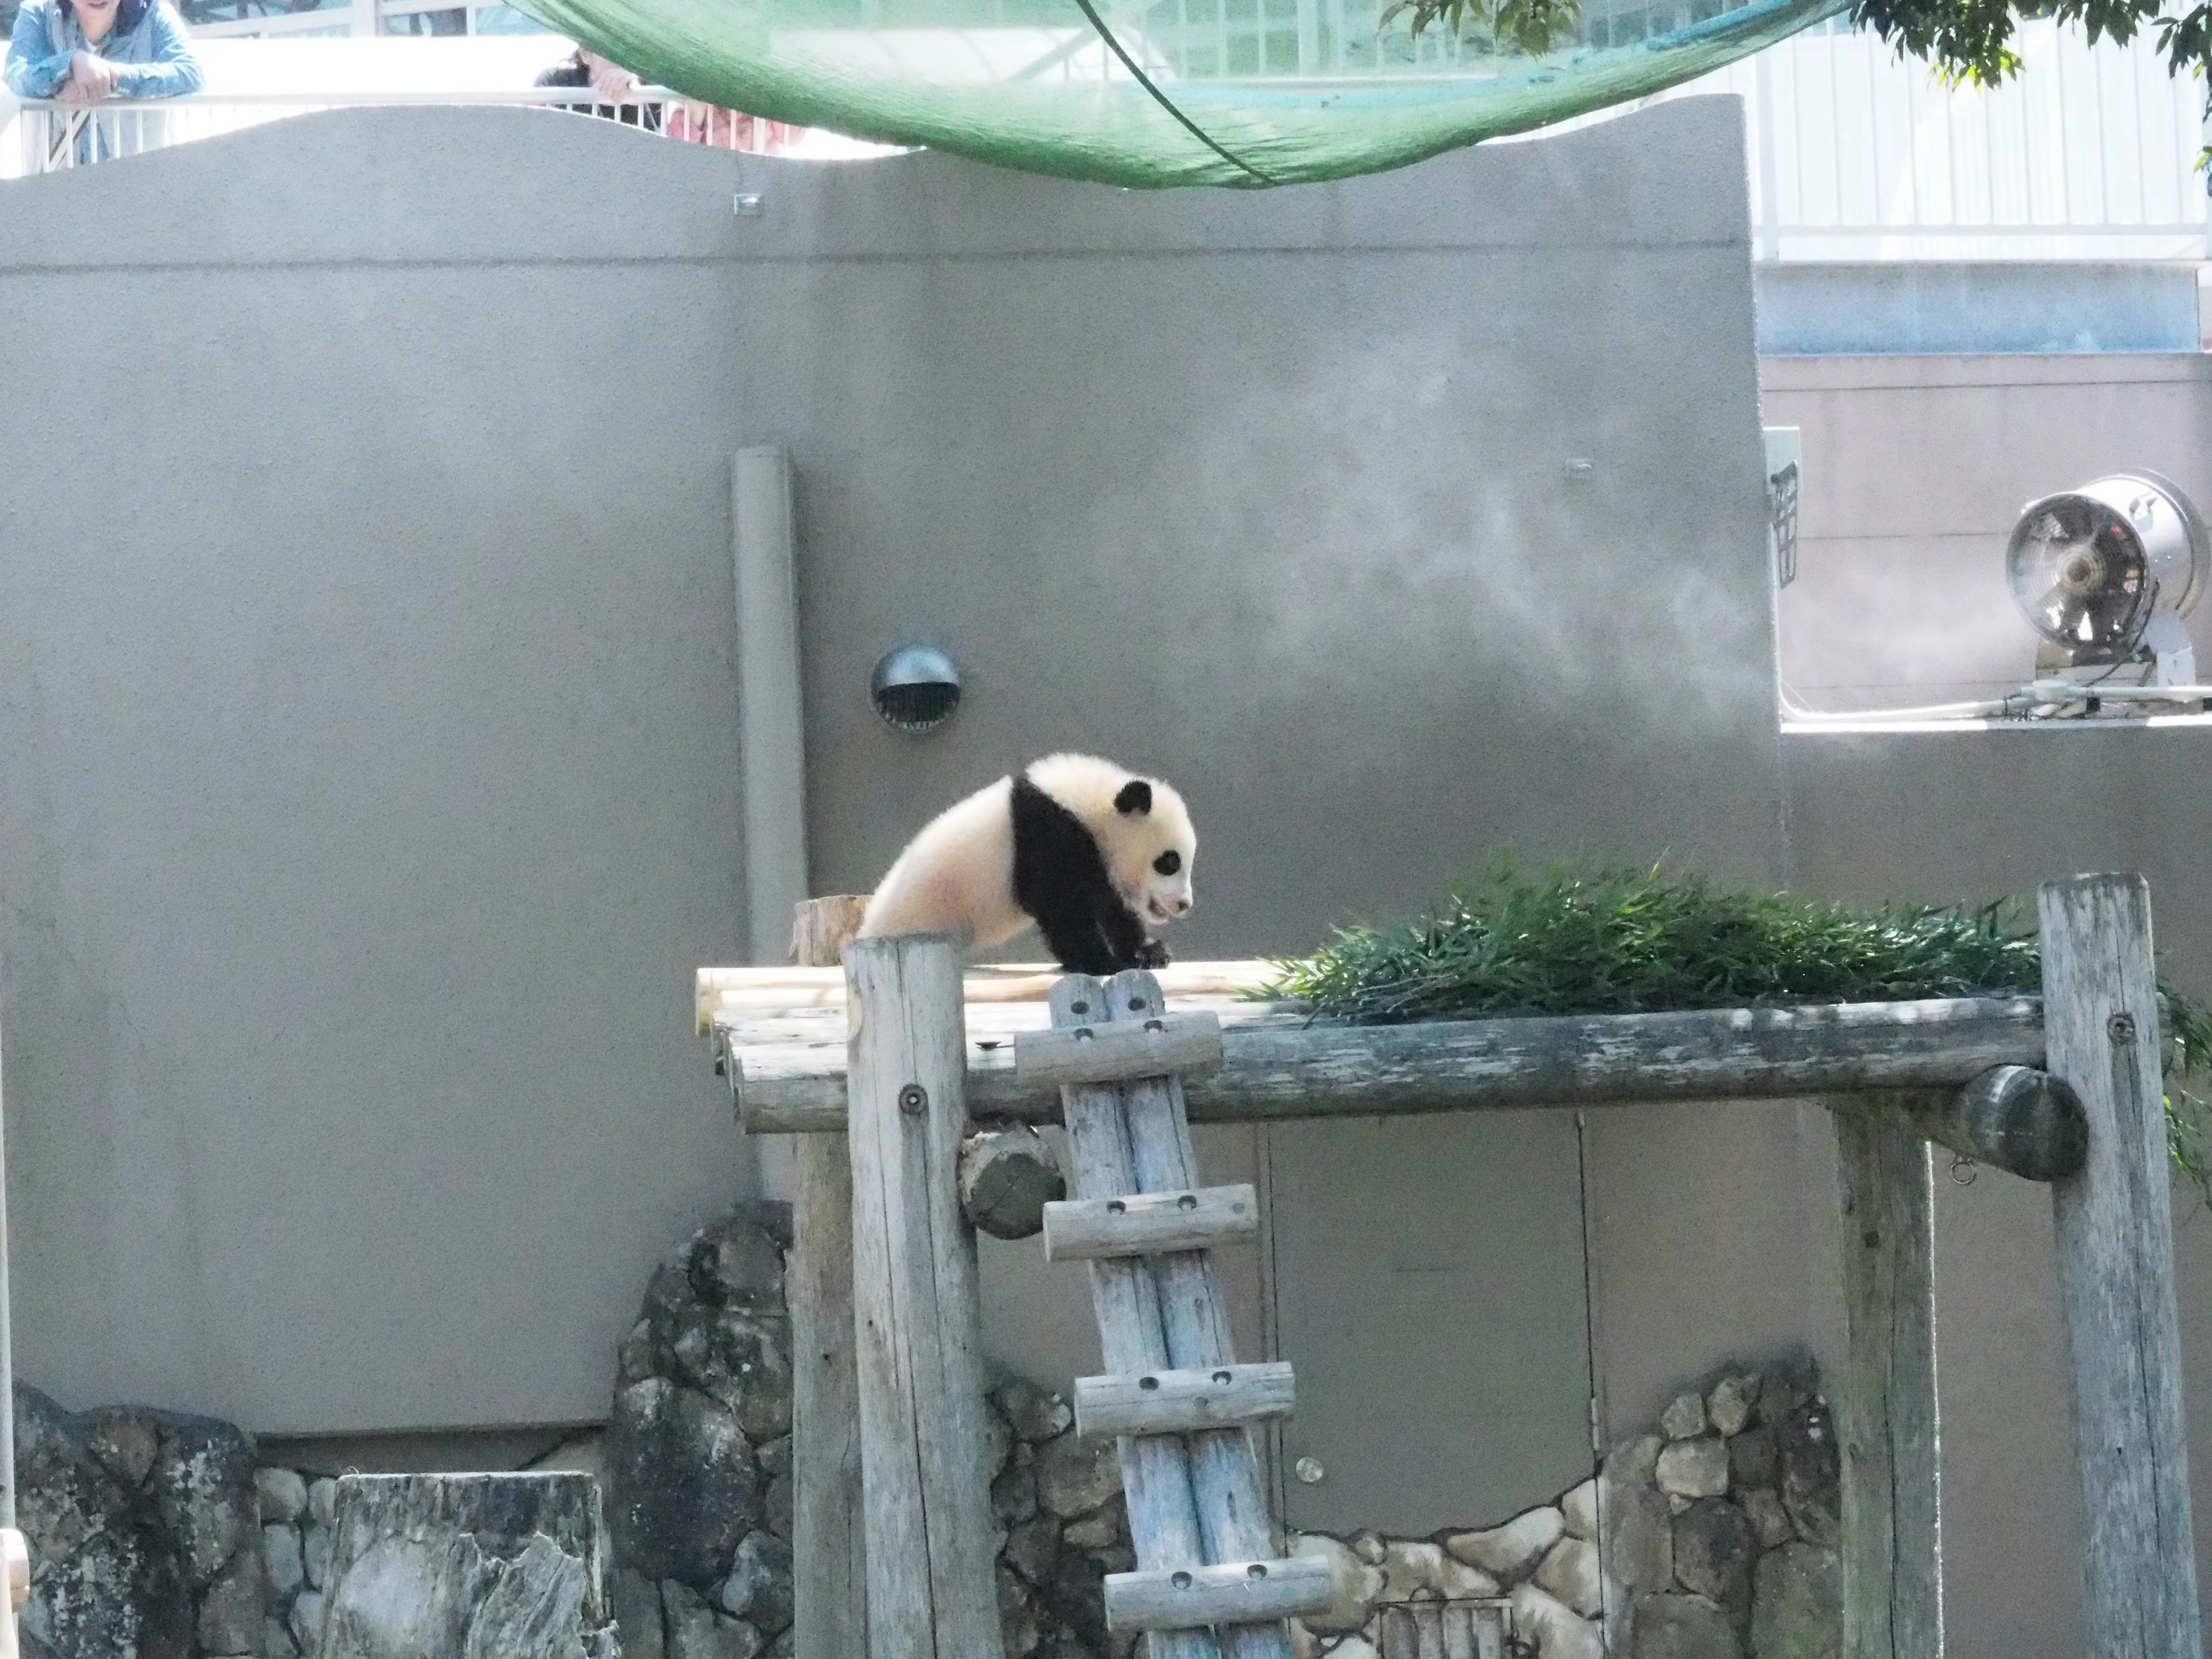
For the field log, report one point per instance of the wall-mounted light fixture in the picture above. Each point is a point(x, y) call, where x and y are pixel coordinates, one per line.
point(914, 688)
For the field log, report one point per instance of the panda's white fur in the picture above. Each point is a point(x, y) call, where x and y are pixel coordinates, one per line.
point(958, 875)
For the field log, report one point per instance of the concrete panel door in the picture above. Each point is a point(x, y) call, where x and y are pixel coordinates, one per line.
point(1429, 1286)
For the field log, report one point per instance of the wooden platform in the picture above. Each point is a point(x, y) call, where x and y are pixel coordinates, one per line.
point(779, 1038)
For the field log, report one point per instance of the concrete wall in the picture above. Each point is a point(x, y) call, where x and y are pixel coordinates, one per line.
point(368, 773)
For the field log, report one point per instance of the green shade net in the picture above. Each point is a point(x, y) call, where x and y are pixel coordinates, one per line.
point(1282, 91)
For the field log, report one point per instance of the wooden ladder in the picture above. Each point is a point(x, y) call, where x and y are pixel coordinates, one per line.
point(1206, 1586)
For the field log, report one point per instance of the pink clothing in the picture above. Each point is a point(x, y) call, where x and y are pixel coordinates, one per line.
point(729, 129)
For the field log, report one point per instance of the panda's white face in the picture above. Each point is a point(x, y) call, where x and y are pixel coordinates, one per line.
point(1151, 844)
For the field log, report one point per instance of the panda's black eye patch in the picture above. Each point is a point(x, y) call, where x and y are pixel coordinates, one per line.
point(1168, 862)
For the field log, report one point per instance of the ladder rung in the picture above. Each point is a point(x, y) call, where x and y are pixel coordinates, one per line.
point(1150, 1223)
point(1236, 1593)
point(1180, 1402)
point(1163, 1046)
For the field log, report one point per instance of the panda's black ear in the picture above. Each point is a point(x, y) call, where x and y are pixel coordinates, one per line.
point(1136, 796)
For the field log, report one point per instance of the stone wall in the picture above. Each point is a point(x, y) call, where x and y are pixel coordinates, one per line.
point(699, 1495)
point(297, 1510)
point(1713, 1536)
point(1710, 1537)
point(140, 1526)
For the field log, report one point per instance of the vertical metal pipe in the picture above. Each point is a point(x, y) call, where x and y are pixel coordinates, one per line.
point(769, 712)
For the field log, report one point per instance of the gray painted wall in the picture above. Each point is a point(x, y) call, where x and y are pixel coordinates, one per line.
point(368, 770)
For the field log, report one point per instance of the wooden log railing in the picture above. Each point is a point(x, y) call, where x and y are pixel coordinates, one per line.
point(1969, 1074)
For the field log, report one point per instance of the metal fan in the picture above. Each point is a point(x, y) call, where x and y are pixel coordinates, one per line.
point(2107, 571)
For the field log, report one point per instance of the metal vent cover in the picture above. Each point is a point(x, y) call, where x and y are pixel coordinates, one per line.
point(1447, 1630)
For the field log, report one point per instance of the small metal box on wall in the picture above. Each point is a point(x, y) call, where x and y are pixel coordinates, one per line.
point(1785, 473)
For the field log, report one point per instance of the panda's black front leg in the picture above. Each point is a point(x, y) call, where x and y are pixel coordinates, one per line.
point(1073, 937)
point(1125, 936)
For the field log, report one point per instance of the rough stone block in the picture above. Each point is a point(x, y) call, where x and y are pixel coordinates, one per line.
point(307, 1622)
point(1578, 1508)
point(1554, 1629)
point(1074, 1476)
point(1017, 1625)
point(1569, 1573)
point(1103, 1526)
point(280, 1558)
point(1013, 1495)
point(1510, 1551)
point(1034, 1415)
point(759, 1588)
point(1770, 1521)
point(480, 1566)
point(1751, 1459)
point(1728, 1406)
point(1033, 1548)
point(1694, 1468)
point(132, 1518)
point(1797, 1604)
point(1714, 1550)
point(637, 1616)
point(125, 1440)
point(686, 1488)
point(778, 1504)
point(1639, 1537)
point(315, 1555)
point(998, 1439)
point(1633, 1462)
point(282, 1494)
point(1076, 1596)
point(230, 1611)
point(696, 1631)
point(1678, 1626)
point(1357, 1584)
point(1410, 1566)
point(1811, 1491)
point(1684, 1418)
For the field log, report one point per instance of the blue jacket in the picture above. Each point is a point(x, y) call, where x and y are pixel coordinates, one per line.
point(147, 41)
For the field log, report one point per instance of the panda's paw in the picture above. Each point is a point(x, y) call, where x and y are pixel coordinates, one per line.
point(1150, 954)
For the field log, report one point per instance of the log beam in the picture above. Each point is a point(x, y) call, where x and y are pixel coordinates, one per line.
point(1283, 1067)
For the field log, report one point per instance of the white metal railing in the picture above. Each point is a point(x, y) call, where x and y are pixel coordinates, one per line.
point(2089, 153)
point(38, 137)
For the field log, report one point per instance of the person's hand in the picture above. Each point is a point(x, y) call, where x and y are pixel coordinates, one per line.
point(91, 78)
point(612, 81)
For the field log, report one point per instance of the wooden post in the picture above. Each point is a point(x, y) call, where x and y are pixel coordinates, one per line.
point(1886, 1408)
point(2115, 1226)
point(820, 927)
point(828, 1544)
point(932, 1590)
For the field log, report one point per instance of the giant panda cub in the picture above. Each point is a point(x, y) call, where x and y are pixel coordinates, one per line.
point(1095, 856)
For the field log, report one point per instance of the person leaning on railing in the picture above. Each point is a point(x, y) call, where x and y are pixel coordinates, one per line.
point(84, 51)
point(584, 68)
